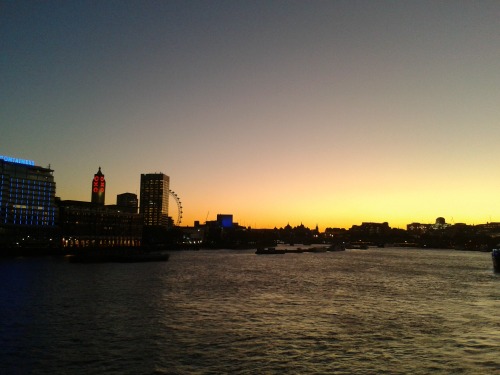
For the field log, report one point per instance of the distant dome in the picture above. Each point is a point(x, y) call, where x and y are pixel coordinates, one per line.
point(440, 220)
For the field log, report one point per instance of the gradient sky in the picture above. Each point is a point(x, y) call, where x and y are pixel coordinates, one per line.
point(314, 112)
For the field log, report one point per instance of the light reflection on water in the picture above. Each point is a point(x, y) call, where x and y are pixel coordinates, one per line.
point(210, 312)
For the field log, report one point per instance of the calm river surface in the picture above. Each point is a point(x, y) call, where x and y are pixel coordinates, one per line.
point(391, 311)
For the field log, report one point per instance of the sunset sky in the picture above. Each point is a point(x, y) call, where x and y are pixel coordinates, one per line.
point(327, 113)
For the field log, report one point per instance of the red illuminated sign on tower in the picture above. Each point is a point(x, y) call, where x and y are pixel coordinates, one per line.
point(98, 188)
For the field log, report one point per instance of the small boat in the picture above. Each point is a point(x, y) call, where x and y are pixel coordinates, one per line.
point(495, 255)
point(336, 247)
point(269, 250)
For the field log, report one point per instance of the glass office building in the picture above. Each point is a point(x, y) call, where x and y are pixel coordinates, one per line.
point(27, 199)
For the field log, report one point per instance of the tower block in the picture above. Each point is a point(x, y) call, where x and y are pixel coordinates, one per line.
point(98, 188)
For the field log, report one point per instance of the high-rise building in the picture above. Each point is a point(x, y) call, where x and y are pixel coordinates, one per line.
point(98, 188)
point(27, 201)
point(154, 199)
point(127, 202)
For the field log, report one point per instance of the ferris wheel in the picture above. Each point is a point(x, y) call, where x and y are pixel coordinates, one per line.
point(179, 207)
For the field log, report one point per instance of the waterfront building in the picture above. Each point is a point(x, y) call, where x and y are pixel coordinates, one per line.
point(127, 202)
point(369, 228)
point(88, 225)
point(225, 220)
point(93, 224)
point(334, 232)
point(225, 233)
point(154, 199)
point(375, 233)
point(98, 188)
point(440, 223)
point(27, 204)
point(418, 228)
point(492, 229)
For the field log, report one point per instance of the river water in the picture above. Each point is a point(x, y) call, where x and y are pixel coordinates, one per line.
point(392, 311)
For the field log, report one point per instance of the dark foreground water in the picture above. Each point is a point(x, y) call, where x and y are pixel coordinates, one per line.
point(389, 311)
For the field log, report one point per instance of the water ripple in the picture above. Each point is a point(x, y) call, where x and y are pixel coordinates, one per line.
point(213, 312)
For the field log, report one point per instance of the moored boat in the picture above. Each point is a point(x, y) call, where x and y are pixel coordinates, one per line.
point(495, 255)
point(336, 247)
point(269, 250)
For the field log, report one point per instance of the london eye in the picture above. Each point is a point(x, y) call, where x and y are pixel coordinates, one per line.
point(179, 207)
